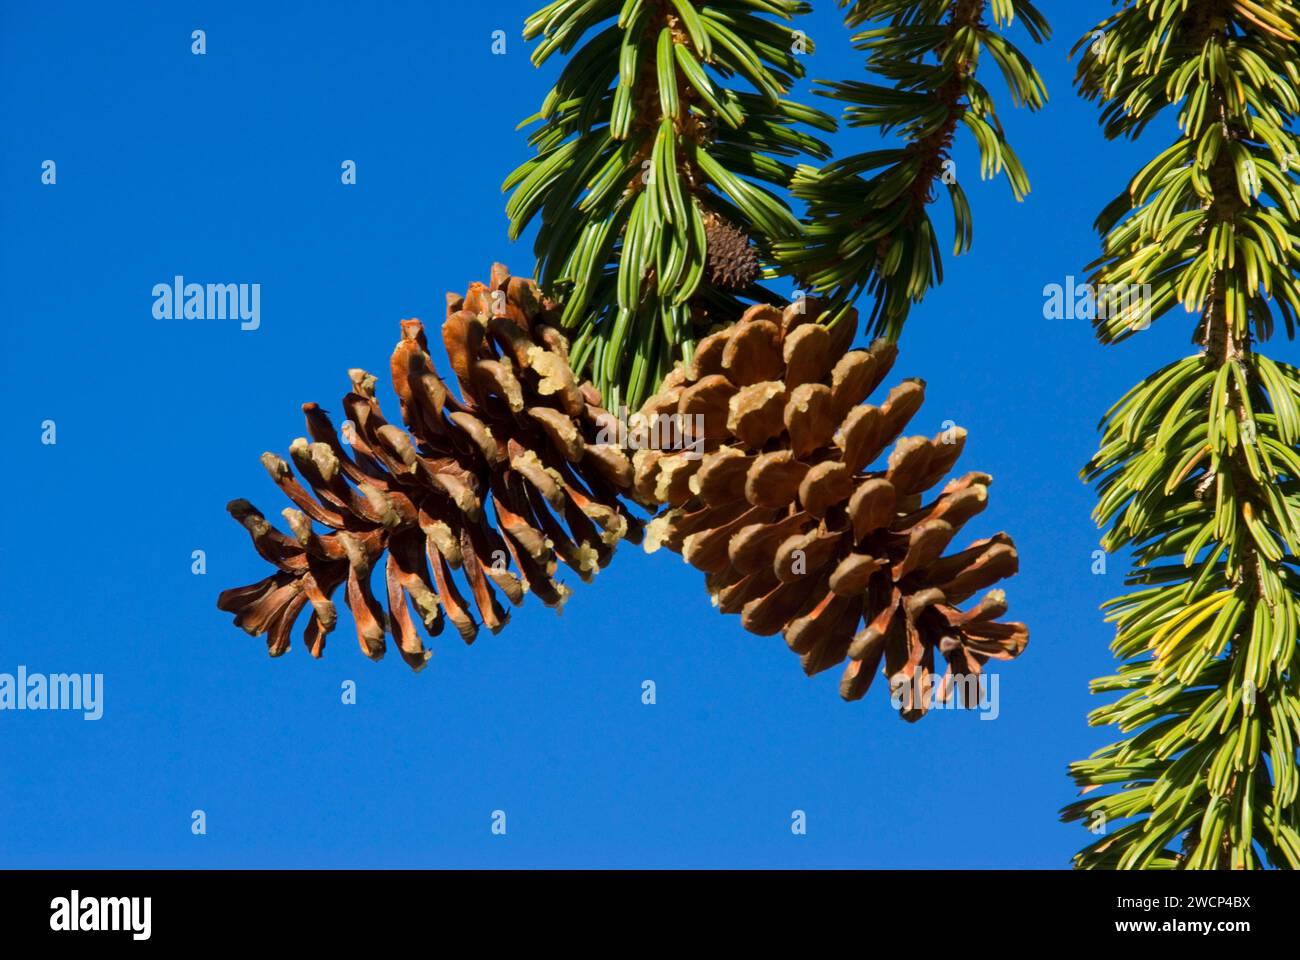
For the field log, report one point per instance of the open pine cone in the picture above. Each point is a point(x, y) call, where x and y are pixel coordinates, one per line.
point(521, 440)
point(761, 449)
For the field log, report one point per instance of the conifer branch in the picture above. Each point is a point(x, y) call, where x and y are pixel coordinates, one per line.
point(656, 154)
point(867, 227)
point(1198, 472)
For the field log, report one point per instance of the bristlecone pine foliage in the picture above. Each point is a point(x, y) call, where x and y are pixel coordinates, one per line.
point(659, 179)
point(1198, 471)
point(867, 227)
point(762, 447)
point(499, 484)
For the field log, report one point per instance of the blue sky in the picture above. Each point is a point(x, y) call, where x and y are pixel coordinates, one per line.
point(226, 168)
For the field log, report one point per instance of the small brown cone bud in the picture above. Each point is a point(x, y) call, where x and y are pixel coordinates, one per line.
point(732, 260)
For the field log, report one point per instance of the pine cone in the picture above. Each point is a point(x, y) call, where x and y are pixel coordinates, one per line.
point(732, 261)
point(522, 438)
point(769, 493)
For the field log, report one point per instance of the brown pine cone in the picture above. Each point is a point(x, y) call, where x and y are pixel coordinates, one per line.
point(498, 484)
point(770, 494)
